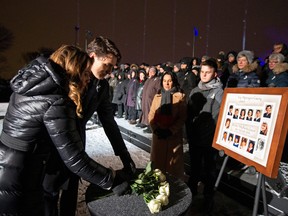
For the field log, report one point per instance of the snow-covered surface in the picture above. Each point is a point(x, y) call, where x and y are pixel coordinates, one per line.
point(99, 147)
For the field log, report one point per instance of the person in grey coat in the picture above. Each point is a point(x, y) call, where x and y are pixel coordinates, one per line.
point(203, 109)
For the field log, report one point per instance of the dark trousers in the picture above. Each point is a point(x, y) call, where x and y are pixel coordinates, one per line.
point(132, 114)
point(203, 168)
point(120, 110)
point(52, 185)
point(126, 111)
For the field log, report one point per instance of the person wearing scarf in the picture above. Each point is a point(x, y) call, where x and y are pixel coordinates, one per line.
point(167, 117)
point(203, 109)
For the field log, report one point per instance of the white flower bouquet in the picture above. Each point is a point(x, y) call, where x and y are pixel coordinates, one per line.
point(152, 185)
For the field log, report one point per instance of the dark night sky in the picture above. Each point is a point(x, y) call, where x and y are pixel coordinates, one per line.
point(151, 31)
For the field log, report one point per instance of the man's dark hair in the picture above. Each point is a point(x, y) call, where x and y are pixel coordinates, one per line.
point(211, 62)
point(102, 46)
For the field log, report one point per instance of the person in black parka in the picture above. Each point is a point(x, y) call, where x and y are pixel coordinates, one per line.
point(42, 123)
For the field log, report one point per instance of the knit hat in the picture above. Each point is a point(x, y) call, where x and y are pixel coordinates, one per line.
point(248, 54)
point(232, 53)
point(186, 60)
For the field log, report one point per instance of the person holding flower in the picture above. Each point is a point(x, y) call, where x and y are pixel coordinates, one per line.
point(167, 117)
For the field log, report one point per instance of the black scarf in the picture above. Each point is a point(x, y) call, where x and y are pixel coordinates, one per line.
point(166, 101)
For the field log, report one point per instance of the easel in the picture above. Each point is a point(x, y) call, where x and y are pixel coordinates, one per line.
point(260, 185)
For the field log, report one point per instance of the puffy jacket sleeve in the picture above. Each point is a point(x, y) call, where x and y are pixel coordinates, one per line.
point(60, 121)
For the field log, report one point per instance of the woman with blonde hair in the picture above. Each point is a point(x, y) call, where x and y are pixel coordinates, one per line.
point(264, 128)
point(40, 125)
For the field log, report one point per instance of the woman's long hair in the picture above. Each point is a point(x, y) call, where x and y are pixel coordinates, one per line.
point(174, 80)
point(75, 62)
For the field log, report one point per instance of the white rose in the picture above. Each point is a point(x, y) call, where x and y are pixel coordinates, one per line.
point(154, 206)
point(164, 189)
point(161, 176)
point(163, 199)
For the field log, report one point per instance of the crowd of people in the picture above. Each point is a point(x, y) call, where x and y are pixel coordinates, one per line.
point(134, 86)
point(42, 144)
point(188, 110)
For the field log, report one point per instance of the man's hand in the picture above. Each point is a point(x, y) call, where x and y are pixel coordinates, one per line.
point(129, 165)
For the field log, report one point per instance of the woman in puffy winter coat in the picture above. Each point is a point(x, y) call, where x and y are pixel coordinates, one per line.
point(278, 71)
point(244, 73)
point(41, 123)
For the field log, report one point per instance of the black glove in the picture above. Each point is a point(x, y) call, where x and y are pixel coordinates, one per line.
point(129, 165)
point(120, 185)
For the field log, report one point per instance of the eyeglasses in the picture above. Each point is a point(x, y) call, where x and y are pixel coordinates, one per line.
point(273, 62)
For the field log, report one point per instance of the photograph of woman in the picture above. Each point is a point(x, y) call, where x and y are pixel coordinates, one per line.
point(242, 114)
point(264, 128)
point(236, 141)
point(249, 115)
point(250, 148)
point(227, 123)
point(243, 143)
point(230, 139)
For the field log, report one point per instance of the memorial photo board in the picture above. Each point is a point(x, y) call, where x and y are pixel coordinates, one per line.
point(252, 127)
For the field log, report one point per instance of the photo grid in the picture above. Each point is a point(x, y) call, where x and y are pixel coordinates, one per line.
point(245, 129)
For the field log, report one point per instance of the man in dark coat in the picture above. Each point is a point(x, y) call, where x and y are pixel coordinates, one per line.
point(186, 78)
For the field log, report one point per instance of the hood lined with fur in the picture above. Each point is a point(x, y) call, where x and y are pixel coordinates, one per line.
point(247, 69)
point(280, 68)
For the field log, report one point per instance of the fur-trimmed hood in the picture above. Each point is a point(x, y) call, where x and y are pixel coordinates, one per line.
point(280, 68)
point(247, 69)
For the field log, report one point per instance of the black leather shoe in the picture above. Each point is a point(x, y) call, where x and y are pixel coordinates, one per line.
point(147, 130)
point(140, 125)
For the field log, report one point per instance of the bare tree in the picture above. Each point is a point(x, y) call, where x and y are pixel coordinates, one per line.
point(44, 51)
point(6, 41)
point(6, 38)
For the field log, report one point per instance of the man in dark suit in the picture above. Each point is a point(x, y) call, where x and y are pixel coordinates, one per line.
point(230, 110)
point(268, 109)
point(236, 113)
